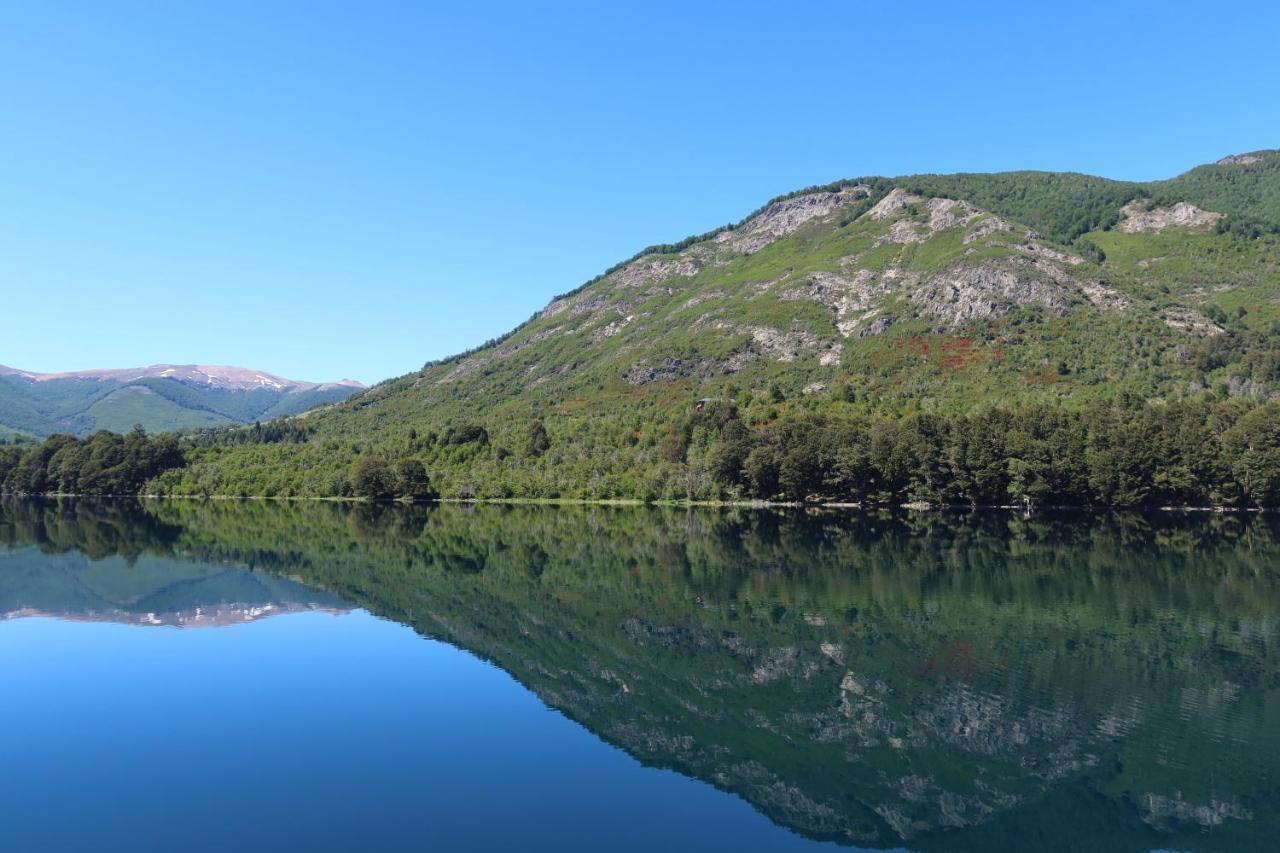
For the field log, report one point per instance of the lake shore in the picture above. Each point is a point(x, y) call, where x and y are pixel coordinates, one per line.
point(914, 506)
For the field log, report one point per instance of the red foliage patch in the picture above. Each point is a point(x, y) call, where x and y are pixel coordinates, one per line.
point(948, 353)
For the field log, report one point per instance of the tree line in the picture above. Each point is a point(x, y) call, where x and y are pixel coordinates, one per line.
point(106, 463)
point(1126, 452)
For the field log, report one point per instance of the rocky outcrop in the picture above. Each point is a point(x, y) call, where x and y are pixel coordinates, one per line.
point(786, 217)
point(666, 369)
point(965, 293)
point(893, 204)
point(849, 296)
point(650, 270)
point(1191, 321)
point(1242, 159)
point(937, 214)
point(1140, 217)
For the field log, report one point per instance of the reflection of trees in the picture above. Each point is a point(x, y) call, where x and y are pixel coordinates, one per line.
point(97, 529)
point(857, 677)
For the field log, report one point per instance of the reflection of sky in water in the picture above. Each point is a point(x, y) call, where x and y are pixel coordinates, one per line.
point(320, 732)
point(982, 684)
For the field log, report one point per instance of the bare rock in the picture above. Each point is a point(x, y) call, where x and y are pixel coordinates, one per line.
point(783, 346)
point(892, 204)
point(1104, 295)
point(849, 296)
point(700, 298)
point(786, 217)
point(1241, 160)
point(965, 293)
point(1138, 217)
point(1191, 321)
point(651, 269)
point(985, 227)
point(878, 327)
point(667, 369)
point(949, 213)
point(610, 329)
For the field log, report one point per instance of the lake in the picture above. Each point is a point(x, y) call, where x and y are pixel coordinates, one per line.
point(253, 675)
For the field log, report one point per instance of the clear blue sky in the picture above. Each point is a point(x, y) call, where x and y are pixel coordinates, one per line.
point(350, 189)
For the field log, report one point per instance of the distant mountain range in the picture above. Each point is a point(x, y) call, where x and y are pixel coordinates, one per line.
point(158, 397)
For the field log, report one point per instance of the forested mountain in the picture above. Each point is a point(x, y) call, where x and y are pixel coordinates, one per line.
point(1024, 337)
point(159, 397)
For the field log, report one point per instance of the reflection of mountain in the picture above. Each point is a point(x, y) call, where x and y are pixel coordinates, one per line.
point(147, 590)
point(945, 684)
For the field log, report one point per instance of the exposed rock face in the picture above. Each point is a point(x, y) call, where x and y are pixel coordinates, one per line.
point(783, 346)
point(786, 217)
point(703, 297)
point(985, 227)
point(1192, 321)
point(1240, 159)
point(850, 297)
point(892, 204)
point(1103, 295)
point(942, 213)
point(610, 329)
point(668, 368)
point(966, 293)
point(1138, 218)
point(651, 269)
point(878, 327)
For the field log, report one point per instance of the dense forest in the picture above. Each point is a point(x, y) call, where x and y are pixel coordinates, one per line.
point(1125, 453)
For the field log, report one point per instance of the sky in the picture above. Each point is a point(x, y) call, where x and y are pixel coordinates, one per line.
point(328, 190)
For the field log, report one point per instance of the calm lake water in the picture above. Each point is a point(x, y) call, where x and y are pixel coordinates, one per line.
point(254, 676)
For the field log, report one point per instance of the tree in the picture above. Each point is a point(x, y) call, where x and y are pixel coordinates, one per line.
point(1253, 446)
point(412, 480)
point(371, 477)
point(539, 442)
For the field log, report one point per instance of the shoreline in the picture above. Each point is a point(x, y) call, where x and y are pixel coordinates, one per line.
point(913, 506)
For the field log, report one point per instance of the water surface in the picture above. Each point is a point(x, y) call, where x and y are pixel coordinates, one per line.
point(252, 675)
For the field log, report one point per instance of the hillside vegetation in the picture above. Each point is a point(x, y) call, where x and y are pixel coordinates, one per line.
point(1020, 337)
point(158, 398)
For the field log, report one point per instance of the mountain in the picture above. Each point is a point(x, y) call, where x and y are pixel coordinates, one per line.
point(867, 301)
point(159, 397)
point(1027, 337)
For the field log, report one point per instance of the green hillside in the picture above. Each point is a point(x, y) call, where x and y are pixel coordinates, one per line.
point(886, 316)
point(79, 405)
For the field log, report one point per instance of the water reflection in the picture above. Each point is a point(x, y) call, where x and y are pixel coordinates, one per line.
point(935, 682)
